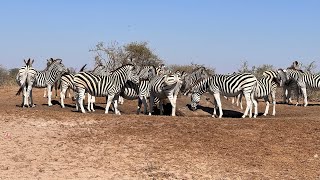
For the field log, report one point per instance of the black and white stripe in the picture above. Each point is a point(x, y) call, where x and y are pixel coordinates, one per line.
point(107, 86)
point(47, 77)
point(162, 87)
point(25, 78)
point(308, 81)
point(226, 85)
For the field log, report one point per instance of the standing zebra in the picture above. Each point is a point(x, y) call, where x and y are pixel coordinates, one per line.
point(267, 85)
point(49, 76)
point(108, 86)
point(227, 85)
point(162, 87)
point(67, 83)
point(308, 81)
point(140, 91)
point(25, 78)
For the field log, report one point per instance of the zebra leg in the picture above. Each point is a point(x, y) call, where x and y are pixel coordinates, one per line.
point(215, 108)
point(151, 101)
point(254, 105)
point(62, 96)
point(161, 107)
point(49, 95)
point(273, 96)
point(45, 92)
point(139, 105)
point(25, 95)
point(218, 102)
point(144, 101)
point(81, 94)
point(121, 100)
point(93, 102)
point(249, 105)
point(89, 102)
point(266, 100)
point(31, 99)
point(173, 100)
point(305, 99)
point(115, 105)
point(109, 101)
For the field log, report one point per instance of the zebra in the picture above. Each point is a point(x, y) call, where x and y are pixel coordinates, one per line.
point(49, 76)
point(165, 86)
point(310, 81)
point(108, 86)
point(227, 85)
point(140, 91)
point(56, 84)
point(267, 85)
point(25, 78)
point(291, 84)
point(190, 79)
point(67, 83)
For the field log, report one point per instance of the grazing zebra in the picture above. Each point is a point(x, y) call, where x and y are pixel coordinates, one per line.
point(291, 84)
point(308, 81)
point(227, 85)
point(108, 86)
point(49, 76)
point(190, 79)
point(25, 78)
point(162, 87)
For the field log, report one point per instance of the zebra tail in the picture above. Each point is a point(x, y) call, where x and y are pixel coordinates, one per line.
point(21, 88)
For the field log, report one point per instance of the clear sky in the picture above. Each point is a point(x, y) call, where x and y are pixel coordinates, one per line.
point(221, 34)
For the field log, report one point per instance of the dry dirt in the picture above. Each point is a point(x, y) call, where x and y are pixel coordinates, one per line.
point(54, 143)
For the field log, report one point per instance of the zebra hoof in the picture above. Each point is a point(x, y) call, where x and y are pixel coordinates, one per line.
point(243, 116)
point(213, 116)
point(264, 114)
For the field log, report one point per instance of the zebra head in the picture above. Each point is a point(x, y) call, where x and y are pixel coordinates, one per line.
point(132, 73)
point(56, 67)
point(282, 76)
point(195, 99)
point(147, 72)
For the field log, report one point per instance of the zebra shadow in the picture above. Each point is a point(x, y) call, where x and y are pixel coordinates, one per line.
point(54, 102)
point(226, 113)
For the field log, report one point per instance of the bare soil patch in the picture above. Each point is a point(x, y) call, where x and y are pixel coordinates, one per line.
point(54, 143)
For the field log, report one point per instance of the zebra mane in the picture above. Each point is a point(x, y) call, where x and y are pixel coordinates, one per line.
point(196, 83)
point(129, 64)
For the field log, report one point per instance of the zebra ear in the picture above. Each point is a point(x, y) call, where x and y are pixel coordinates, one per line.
point(25, 61)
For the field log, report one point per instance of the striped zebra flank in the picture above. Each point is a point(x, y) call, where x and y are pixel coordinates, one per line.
point(291, 84)
point(308, 81)
point(229, 86)
point(48, 77)
point(162, 87)
point(104, 86)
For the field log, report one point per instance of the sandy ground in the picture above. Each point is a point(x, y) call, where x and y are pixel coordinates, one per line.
point(54, 143)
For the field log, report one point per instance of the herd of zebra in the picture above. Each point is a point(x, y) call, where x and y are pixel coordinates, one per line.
point(157, 84)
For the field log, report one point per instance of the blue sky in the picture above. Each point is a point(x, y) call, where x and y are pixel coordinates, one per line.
point(220, 34)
